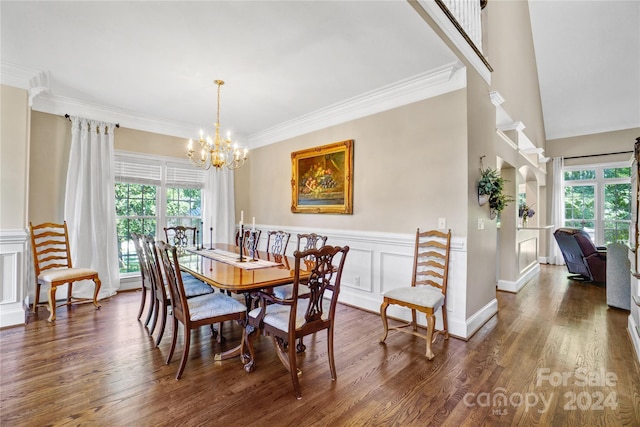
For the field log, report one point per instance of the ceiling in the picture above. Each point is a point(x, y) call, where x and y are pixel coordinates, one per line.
point(588, 56)
point(287, 62)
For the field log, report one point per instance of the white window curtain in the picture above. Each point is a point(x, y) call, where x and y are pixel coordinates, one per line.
point(219, 207)
point(557, 209)
point(89, 207)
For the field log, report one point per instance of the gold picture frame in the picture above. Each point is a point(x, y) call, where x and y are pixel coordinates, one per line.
point(322, 179)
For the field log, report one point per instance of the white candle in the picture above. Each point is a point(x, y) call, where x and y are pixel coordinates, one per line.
point(241, 216)
point(253, 228)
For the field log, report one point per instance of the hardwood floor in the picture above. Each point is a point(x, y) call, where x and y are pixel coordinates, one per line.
point(101, 368)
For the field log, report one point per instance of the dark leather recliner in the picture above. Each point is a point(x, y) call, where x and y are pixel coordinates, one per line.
point(583, 258)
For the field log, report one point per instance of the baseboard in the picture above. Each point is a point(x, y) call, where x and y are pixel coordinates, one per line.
point(11, 314)
point(515, 286)
point(634, 330)
point(480, 317)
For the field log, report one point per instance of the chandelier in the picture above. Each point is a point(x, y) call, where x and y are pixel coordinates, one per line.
point(217, 152)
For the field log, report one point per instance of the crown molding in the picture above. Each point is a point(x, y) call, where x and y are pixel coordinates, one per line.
point(34, 81)
point(422, 86)
point(416, 88)
point(60, 105)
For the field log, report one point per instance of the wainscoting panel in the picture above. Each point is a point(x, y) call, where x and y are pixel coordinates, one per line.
point(527, 254)
point(13, 249)
point(378, 262)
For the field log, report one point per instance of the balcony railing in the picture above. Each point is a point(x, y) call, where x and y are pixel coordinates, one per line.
point(467, 13)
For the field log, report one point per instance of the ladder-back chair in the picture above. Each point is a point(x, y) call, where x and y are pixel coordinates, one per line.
point(428, 289)
point(53, 266)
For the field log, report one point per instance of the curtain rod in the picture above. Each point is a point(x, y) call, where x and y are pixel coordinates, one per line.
point(66, 116)
point(598, 155)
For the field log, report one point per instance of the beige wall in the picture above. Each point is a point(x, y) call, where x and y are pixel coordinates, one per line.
point(150, 143)
point(50, 145)
point(14, 152)
point(409, 170)
point(481, 244)
point(599, 143)
point(510, 52)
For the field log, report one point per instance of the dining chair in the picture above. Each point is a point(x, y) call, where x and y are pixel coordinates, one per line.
point(181, 236)
point(305, 241)
point(162, 297)
point(311, 241)
point(249, 242)
point(193, 312)
point(53, 266)
point(286, 320)
point(277, 242)
point(428, 289)
point(147, 285)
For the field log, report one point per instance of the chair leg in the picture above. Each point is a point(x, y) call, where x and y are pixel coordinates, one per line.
point(174, 338)
point(69, 288)
point(156, 309)
point(152, 298)
point(445, 326)
point(293, 368)
point(383, 315)
point(185, 352)
point(52, 304)
point(96, 291)
point(142, 302)
point(414, 321)
point(431, 324)
point(163, 322)
point(332, 363)
point(250, 332)
point(36, 300)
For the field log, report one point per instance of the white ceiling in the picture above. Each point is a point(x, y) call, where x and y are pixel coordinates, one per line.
point(588, 56)
point(284, 61)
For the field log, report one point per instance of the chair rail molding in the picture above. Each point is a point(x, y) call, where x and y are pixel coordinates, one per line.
point(380, 261)
point(13, 255)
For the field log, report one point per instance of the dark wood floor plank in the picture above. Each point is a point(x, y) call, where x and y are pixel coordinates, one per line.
point(100, 367)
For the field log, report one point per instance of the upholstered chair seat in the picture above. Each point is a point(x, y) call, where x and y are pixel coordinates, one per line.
point(424, 296)
point(278, 315)
point(212, 305)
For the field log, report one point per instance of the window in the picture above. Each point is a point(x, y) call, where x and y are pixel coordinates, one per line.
point(598, 199)
point(150, 195)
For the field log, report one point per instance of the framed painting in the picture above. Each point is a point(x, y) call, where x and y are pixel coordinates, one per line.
point(322, 179)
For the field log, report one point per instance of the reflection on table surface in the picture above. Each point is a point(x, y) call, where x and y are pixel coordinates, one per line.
point(229, 277)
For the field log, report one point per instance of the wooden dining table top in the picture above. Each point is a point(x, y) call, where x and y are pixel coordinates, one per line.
point(235, 279)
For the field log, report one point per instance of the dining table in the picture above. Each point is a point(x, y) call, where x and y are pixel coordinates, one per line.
point(221, 266)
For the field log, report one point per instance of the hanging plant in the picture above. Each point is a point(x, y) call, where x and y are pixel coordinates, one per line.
point(490, 189)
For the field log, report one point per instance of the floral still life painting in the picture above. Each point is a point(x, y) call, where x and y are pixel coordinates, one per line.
point(322, 179)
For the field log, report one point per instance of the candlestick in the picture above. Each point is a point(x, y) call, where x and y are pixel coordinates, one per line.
point(211, 238)
point(241, 241)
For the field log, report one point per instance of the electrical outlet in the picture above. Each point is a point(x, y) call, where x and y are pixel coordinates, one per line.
point(480, 224)
point(442, 223)
point(356, 280)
